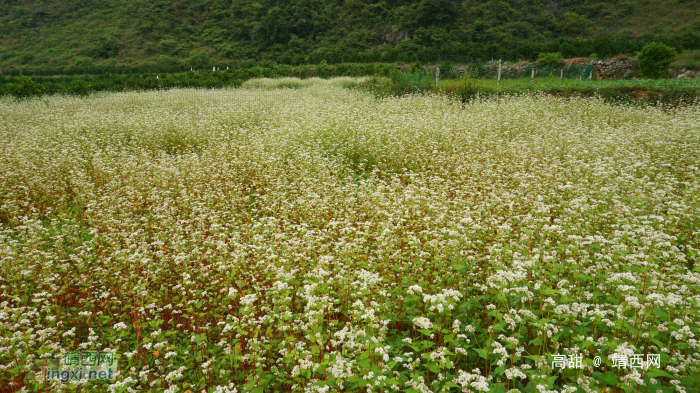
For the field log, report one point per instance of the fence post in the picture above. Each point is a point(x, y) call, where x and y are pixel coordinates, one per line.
point(562, 75)
point(437, 75)
point(532, 78)
point(499, 72)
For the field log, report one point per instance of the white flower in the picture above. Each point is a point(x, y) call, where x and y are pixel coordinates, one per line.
point(414, 289)
point(247, 300)
point(422, 322)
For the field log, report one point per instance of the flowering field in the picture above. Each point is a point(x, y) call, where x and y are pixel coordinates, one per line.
point(319, 239)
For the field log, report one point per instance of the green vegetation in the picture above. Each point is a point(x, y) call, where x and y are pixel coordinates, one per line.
point(655, 59)
point(550, 59)
point(666, 92)
point(24, 87)
point(688, 60)
point(55, 33)
point(385, 80)
point(143, 78)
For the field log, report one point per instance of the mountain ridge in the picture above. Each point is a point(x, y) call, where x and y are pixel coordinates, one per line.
point(45, 33)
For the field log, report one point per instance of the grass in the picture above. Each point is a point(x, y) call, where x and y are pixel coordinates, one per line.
point(319, 239)
point(664, 92)
point(689, 59)
point(544, 84)
point(667, 92)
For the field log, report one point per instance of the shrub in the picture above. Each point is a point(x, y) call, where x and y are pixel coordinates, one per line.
point(550, 59)
point(79, 86)
point(103, 48)
point(416, 67)
point(167, 60)
point(446, 70)
point(24, 87)
point(83, 62)
point(654, 60)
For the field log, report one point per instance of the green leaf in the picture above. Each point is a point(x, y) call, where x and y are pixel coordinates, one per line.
point(499, 388)
point(609, 377)
point(659, 373)
point(199, 338)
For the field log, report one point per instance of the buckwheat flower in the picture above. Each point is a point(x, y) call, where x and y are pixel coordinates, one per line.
point(513, 372)
point(414, 289)
point(120, 384)
point(455, 325)
point(247, 300)
point(422, 322)
point(205, 366)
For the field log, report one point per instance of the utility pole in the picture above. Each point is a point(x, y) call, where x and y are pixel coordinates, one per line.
point(499, 72)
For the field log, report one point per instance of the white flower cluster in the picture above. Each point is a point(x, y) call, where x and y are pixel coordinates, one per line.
point(287, 236)
point(422, 323)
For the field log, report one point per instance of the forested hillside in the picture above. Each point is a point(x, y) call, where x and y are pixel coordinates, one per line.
point(41, 33)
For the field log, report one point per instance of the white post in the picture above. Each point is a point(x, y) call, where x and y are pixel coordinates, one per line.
point(532, 78)
point(213, 68)
point(437, 76)
point(562, 74)
point(499, 72)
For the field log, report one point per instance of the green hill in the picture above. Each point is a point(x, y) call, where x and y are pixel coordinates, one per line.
point(46, 33)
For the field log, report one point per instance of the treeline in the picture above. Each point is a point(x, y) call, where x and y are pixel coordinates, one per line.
point(603, 47)
point(24, 86)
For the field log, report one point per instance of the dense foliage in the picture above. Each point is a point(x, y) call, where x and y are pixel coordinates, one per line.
point(385, 80)
point(55, 33)
point(550, 59)
point(23, 87)
point(315, 239)
point(166, 77)
point(654, 60)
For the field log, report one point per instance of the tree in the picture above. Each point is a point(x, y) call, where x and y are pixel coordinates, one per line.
point(436, 11)
point(83, 62)
point(654, 60)
point(550, 59)
point(103, 48)
point(276, 24)
point(574, 24)
point(24, 87)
